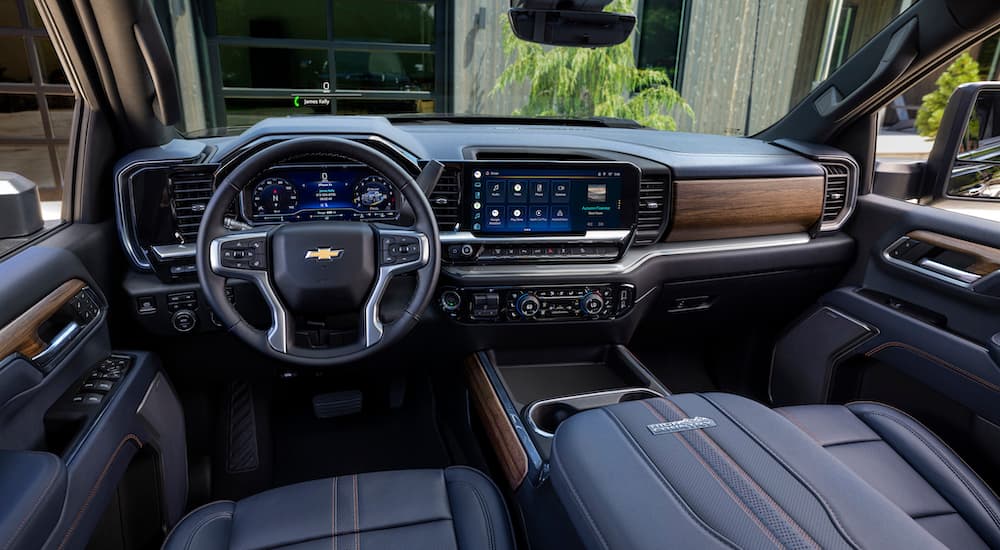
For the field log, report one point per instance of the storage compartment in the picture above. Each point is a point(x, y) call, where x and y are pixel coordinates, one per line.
point(545, 387)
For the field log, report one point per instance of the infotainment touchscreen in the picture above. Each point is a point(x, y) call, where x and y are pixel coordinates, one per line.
point(553, 198)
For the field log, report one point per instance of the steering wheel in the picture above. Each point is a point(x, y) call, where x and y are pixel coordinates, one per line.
point(318, 268)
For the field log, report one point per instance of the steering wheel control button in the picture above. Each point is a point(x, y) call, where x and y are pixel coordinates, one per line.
point(245, 254)
point(184, 320)
point(399, 249)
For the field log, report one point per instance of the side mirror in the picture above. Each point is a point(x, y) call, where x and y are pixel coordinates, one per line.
point(20, 207)
point(965, 160)
point(574, 23)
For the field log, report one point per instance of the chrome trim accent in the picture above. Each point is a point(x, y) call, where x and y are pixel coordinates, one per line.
point(960, 274)
point(914, 268)
point(569, 398)
point(63, 337)
point(853, 181)
point(125, 211)
point(373, 329)
point(278, 335)
point(606, 235)
point(631, 261)
point(175, 251)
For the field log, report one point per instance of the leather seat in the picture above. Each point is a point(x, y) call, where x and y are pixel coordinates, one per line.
point(721, 471)
point(456, 508)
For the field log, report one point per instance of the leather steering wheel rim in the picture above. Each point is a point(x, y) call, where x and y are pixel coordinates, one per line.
point(212, 232)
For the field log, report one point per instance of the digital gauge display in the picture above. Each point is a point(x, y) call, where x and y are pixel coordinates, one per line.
point(328, 192)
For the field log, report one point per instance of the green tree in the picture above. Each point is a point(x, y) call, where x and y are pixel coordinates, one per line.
point(586, 82)
point(964, 69)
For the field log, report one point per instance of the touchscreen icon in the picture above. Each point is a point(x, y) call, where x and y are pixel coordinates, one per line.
point(597, 192)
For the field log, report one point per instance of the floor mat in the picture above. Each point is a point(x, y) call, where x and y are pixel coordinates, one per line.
point(379, 438)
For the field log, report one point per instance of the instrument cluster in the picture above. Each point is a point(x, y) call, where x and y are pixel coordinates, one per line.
point(320, 192)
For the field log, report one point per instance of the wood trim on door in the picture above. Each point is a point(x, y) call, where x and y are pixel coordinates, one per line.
point(21, 334)
point(750, 207)
point(513, 459)
point(987, 257)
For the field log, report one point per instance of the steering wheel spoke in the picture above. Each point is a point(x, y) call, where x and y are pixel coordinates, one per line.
point(400, 250)
point(245, 255)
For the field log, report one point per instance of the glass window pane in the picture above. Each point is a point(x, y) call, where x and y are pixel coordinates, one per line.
point(273, 67)
point(34, 19)
point(383, 106)
point(660, 35)
point(270, 19)
point(19, 116)
point(61, 114)
point(13, 60)
point(52, 71)
point(396, 21)
point(32, 162)
point(9, 16)
point(384, 71)
point(242, 112)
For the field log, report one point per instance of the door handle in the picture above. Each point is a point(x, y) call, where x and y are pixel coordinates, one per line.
point(57, 343)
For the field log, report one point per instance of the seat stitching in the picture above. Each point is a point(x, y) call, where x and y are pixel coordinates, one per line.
point(484, 509)
point(583, 507)
point(826, 506)
point(192, 513)
point(939, 441)
point(34, 507)
point(93, 490)
point(945, 461)
point(698, 520)
point(743, 473)
point(728, 490)
point(204, 522)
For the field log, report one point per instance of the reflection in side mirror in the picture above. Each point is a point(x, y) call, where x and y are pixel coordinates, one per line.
point(965, 160)
point(976, 169)
point(571, 28)
point(20, 207)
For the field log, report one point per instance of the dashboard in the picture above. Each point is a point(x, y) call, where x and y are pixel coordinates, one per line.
point(290, 193)
point(537, 223)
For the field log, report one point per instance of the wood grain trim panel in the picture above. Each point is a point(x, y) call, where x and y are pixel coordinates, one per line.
point(513, 459)
point(987, 257)
point(751, 207)
point(21, 334)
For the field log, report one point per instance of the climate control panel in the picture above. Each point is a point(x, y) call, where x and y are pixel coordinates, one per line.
point(537, 303)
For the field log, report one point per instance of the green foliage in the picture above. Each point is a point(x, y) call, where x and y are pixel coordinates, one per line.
point(964, 69)
point(586, 82)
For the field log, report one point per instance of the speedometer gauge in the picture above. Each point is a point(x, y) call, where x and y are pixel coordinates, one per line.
point(373, 193)
point(275, 196)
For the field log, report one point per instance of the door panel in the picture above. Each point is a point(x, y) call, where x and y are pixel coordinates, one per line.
point(931, 307)
point(74, 413)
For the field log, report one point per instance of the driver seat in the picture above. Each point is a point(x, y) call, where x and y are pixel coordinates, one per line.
point(457, 508)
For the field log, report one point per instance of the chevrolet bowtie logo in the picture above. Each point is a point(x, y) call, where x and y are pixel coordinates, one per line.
point(324, 254)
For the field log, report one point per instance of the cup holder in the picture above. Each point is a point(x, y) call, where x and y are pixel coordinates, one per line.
point(546, 415)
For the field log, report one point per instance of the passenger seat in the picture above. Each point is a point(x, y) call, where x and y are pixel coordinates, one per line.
point(721, 471)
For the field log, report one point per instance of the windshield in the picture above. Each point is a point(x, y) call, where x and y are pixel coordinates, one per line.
point(729, 67)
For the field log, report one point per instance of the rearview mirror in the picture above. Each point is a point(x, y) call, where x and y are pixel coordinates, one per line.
point(965, 160)
point(577, 23)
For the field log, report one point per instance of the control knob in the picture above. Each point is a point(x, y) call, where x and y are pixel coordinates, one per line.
point(591, 303)
point(528, 305)
point(450, 300)
point(184, 320)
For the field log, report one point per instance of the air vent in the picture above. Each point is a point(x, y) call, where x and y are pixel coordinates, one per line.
point(190, 192)
point(652, 206)
point(835, 201)
point(444, 201)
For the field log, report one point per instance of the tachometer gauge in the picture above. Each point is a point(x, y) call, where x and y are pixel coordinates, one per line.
point(275, 196)
point(373, 193)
